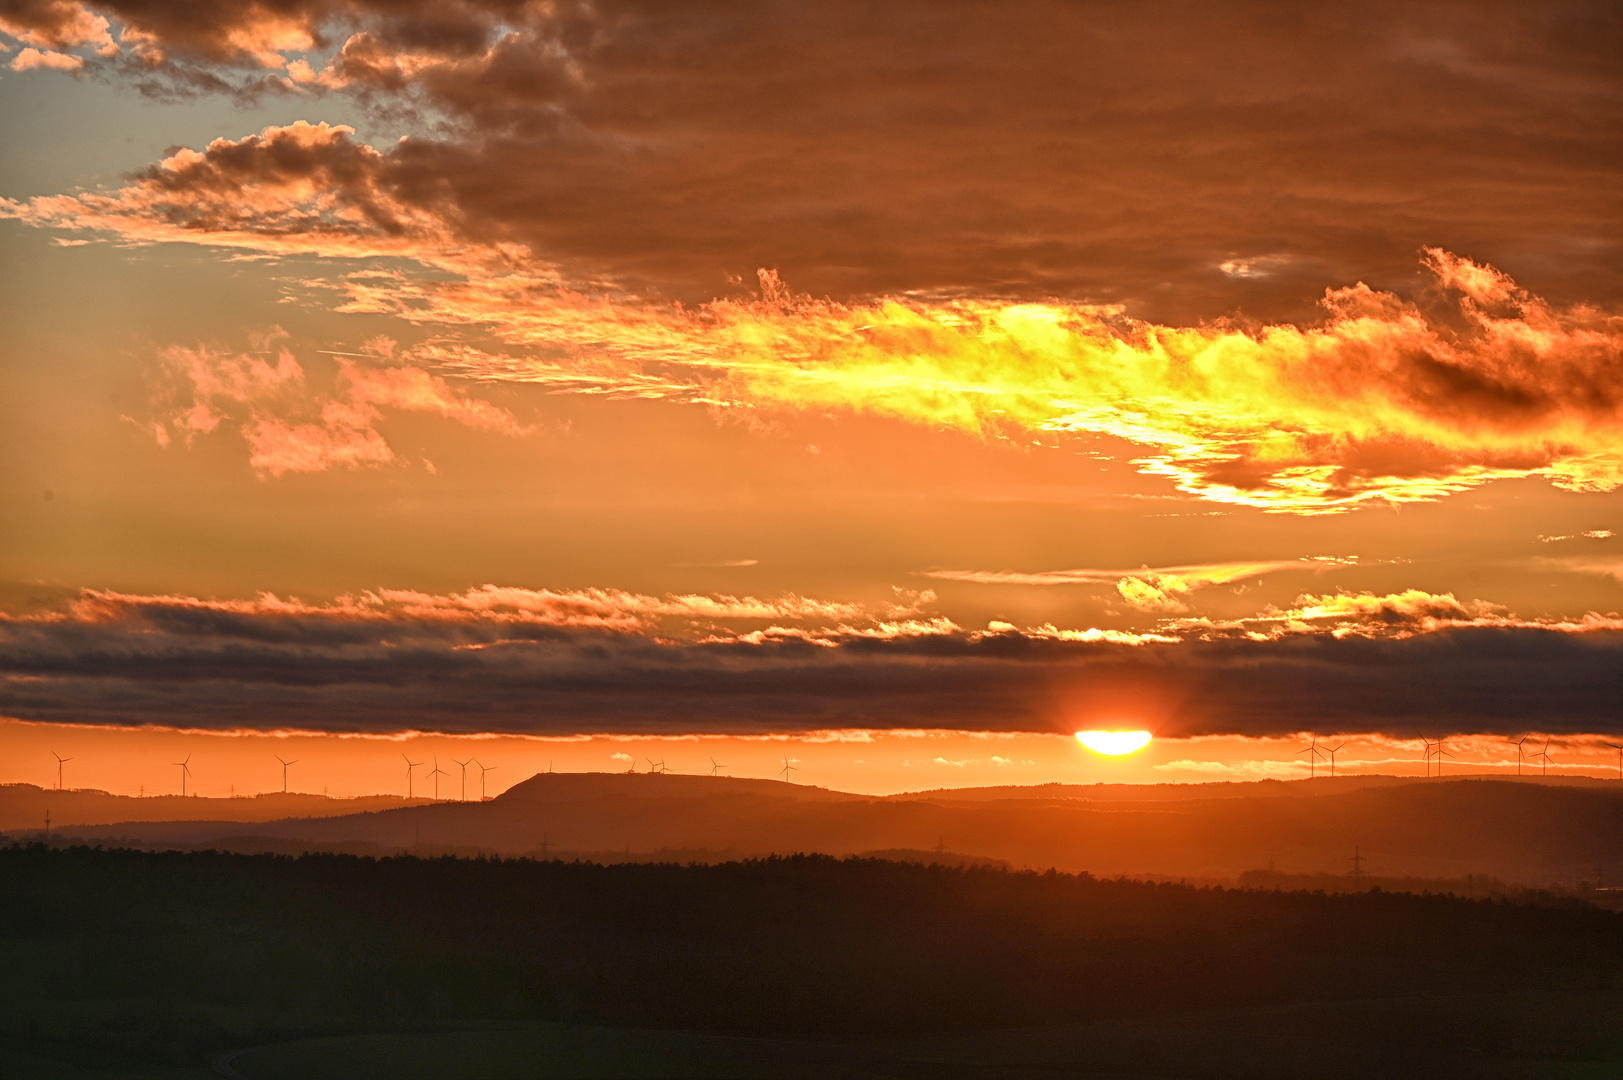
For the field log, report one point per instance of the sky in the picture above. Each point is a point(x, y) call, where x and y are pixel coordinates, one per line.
point(618, 379)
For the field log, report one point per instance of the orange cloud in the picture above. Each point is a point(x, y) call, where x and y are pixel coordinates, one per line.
point(299, 189)
point(31, 59)
point(1380, 402)
point(268, 402)
point(56, 24)
point(1392, 615)
point(614, 610)
point(1159, 589)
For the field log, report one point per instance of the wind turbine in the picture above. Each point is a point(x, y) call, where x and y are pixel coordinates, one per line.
point(59, 761)
point(1544, 758)
point(1314, 753)
point(1332, 753)
point(1430, 750)
point(1519, 742)
point(410, 765)
point(1619, 749)
point(285, 764)
point(787, 769)
point(464, 765)
point(1440, 753)
point(436, 773)
point(185, 771)
point(483, 769)
point(657, 766)
point(715, 770)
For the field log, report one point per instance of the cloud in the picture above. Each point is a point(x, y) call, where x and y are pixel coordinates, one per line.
point(267, 402)
point(1203, 573)
point(1247, 769)
point(544, 662)
point(1029, 240)
point(30, 59)
point(1392, 615)
point(1379, 403)
point(56, 24)
point(297, 189)
point(1592, 534)
point(1163, 589)
point(1186, 162)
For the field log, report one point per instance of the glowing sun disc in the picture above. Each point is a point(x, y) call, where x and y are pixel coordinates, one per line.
point(1114, 742)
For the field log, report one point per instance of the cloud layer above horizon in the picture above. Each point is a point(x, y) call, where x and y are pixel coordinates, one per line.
point(522, 661)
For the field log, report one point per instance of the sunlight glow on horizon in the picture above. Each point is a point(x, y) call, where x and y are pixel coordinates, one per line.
point(1114, 743)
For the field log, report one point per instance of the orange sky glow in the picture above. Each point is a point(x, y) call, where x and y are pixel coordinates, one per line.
point(137, 762)
point(513, 383)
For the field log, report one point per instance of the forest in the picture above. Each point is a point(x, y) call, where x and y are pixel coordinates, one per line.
point(131, 958)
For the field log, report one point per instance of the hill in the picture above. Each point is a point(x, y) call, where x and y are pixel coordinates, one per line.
point(24, 806)
point(1522, 832)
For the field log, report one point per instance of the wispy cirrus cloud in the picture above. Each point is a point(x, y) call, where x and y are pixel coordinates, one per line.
point(1407, 613)
point(1591, 534)
point(1164, 588)
point(506, 607)
point(291, 429)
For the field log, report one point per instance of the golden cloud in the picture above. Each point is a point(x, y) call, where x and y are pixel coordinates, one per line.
point(1380, 402)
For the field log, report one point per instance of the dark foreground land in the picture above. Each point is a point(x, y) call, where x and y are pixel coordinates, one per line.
point(139, 964)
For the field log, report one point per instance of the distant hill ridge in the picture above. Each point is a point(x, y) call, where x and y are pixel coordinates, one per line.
point(1522, 832)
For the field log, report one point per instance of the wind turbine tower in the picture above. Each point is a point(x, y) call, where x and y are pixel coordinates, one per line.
point(1313, 754)
point(185, 771)
point(483, 769)
point(1332, 753)
point(60, 760)
point(1440, 752)
point(436, 773)
point(285, 764)
point(410, 765)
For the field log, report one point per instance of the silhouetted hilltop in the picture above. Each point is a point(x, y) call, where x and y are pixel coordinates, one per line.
point(1525, 833)
point(23, 806)
point(567, 787)
point(1218, 789)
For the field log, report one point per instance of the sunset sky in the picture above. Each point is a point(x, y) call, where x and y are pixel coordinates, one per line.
point(895, 390)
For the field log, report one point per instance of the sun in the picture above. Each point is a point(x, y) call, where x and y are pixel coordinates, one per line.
point(1114, 743)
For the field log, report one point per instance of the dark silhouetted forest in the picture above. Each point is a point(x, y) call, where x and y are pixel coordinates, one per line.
point(207, 950)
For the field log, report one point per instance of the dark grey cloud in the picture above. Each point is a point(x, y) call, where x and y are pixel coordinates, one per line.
point(1187, 159)
point(158, 665)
